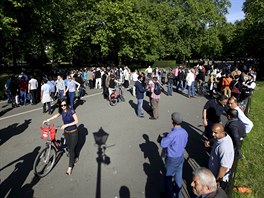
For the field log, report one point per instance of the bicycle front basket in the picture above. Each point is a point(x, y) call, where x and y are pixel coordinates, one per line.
point(48, 133)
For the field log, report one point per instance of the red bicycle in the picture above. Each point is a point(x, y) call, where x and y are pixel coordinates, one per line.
point(48, 156)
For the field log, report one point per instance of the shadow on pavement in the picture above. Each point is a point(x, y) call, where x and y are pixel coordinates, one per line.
point(12, 130)
point(197, 155)
point(155, 169)
point(13, 184)
point(82, 133)
point(124, 192)
point(3, 112)
point(100, 138)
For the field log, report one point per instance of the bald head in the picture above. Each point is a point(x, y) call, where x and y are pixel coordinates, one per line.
point(218, 131)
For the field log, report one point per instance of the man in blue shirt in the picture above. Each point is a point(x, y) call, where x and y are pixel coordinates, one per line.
point(175, 143)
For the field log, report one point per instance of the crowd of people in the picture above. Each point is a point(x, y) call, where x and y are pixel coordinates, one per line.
point(226, 87)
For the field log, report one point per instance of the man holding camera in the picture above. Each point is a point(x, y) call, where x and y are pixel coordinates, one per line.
point(175, 142)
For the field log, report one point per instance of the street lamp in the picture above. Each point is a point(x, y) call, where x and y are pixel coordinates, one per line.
point(100, 137)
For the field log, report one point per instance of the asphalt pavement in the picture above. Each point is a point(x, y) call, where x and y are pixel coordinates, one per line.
point(130, 165)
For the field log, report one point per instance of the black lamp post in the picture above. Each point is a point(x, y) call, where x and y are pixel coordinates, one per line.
point(100, 138)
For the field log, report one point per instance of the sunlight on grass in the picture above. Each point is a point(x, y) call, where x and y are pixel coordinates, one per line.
point(250, 169)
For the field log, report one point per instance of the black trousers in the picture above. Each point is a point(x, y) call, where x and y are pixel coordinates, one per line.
point(71, 141)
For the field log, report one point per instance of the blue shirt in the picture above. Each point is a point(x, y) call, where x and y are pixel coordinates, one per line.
point(68, 118)
point(175, 142)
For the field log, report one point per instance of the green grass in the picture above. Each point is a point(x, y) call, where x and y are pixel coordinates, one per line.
point(250, 169)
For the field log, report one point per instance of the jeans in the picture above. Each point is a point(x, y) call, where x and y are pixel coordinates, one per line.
point(60, 94)
point(71, 141)
point(191, 90)
point(72, 96)
point(23, 95)
point(34, 96)
point(44, 107)
point(170, 88)
point(174, 170)
point(139, 107)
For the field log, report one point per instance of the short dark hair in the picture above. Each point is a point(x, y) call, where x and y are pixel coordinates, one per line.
point(222, 97)
point(233, 113)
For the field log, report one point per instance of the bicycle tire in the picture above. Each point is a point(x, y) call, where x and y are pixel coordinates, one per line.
point(45, 161)
point(113, 102)
point(122, 98)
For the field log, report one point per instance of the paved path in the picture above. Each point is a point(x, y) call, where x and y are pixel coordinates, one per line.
point(134, 168)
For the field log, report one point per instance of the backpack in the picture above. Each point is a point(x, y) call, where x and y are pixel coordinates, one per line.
point(157, 88)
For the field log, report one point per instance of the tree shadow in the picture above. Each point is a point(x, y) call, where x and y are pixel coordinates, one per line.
point(155, 169)
point(82, 133)
point(12, 185)
point(124, 192)
point(12, 130)
point(3, 112)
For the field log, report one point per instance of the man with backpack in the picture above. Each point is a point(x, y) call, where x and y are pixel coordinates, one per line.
point(155, 89)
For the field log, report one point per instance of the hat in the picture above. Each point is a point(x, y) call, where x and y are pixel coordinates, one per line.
point(176, 117)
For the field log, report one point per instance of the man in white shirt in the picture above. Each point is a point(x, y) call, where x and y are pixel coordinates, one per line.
point(32, 89)
point(241, 116)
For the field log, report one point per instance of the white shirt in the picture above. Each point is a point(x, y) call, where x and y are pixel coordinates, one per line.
point(134, 76)
point(33, 84)
point(247, 122)
point(190, 78)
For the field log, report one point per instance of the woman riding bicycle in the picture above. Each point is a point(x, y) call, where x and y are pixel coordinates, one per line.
point(70, 121)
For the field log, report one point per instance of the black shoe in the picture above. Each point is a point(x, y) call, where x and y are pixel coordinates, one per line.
point(142, 116)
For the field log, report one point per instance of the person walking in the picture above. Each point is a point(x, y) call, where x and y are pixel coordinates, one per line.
point(45, 95)
point(175, 142)
point(60, 87)
point(70, 121)
point(140, 91)
point(71, 88)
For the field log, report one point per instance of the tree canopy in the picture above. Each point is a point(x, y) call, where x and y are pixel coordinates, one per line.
point(118, 31)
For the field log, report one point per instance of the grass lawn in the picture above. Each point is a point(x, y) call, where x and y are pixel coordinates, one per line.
point(250, 169)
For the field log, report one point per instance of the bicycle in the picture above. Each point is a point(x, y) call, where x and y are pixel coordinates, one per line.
point(117, 95)
point(48, 157)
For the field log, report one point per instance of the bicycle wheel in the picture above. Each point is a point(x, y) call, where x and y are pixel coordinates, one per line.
point(113, 102)
point(122, 98)
point(45, 161)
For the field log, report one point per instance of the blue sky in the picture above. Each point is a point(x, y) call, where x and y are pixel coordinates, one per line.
point(235, 12)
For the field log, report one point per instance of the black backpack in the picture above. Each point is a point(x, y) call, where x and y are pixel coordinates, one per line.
point(157, 88)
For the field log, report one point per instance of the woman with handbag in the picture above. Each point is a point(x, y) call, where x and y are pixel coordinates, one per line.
point(70, 121)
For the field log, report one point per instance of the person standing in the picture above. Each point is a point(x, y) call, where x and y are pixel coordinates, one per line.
point(204, 184)
point(212, 111)
point(70, 121)
point(241, 116)
point(140, 91)
point(71, 88)
point(155, 97)
point(175, 142)
point(170, 78)
point(190, 78)
point(236, 129)
point(98, 81)
point(32, 89)
point(23, 91)
point(45, 95)
point(222, 155)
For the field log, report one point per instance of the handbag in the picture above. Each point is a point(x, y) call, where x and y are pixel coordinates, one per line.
point(235, 89)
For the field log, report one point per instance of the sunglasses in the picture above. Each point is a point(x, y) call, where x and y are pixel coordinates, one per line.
point(63, 105)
